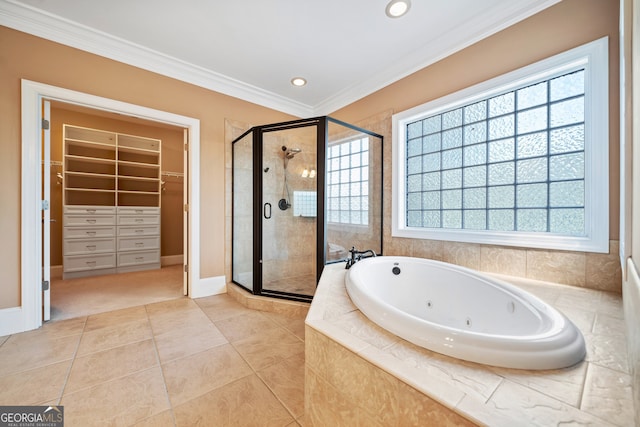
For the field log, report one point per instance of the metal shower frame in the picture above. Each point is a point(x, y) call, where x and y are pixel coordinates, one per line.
point(322, 132)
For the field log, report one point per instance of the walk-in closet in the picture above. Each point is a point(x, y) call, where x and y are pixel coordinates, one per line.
point(117, 203)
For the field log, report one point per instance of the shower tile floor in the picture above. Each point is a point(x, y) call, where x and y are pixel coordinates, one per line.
point(181, 362)
point(304, 285)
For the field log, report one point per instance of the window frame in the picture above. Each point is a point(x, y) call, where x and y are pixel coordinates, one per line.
point(593, 57)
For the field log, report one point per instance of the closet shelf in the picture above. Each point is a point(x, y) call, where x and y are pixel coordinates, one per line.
point(92, 190)
point(90, 159)
point(137, 178)
point(138, 150)
point(93, 144)
point(139, 164)
point(139, 192)
point(91, 175)
point(111, 189)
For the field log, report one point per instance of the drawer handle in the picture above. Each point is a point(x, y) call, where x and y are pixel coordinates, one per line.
point(139, 231)
point(91, 233)
point(91, 211)
point(139, 258)
point(139, 220)
point(91, 263)
point(91, 221)
point(91, 247)
point(139, 211)
point(139, 244)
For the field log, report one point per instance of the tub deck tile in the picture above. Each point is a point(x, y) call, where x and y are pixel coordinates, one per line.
point(593, 392)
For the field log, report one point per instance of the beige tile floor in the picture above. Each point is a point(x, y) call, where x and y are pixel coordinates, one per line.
point(181, 362)
point(97, 294)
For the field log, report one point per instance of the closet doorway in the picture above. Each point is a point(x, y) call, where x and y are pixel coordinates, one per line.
point(145, 173)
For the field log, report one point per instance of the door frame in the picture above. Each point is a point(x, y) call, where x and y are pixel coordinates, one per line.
point(29, 314)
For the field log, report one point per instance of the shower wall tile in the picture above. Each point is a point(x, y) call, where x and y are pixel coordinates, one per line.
point(502, 260)
point(603, 270)
point(568, 268)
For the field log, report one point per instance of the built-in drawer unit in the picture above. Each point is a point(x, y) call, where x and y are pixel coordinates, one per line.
point(89, 246)
point(89, 232)
point(140, 230)
point(82, 263)
point(111, 198)
point(138, 243)
point(103, 239)
point(71, 220)
point(89, 210)
point(126, 259)
point(138, 219)
point(134, 210)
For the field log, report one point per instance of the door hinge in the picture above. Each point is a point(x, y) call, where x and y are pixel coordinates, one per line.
point(186, 147)
point(186, 268)
point(45, 124)
point(186, 207)
point(45, 205)
point(45, 285)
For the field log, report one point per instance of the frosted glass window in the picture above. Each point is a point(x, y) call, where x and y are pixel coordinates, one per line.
point(521, 159)
point(348, 179)
point(512, 162)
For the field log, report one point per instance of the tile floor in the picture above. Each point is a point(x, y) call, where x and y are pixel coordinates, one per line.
point(97, 294)
point(181, 362)
point(304, 285)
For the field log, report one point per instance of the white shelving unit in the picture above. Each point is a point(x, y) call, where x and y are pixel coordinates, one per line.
point(111, 202)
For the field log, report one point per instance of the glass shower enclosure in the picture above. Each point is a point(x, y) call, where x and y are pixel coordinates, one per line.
point(304, 192)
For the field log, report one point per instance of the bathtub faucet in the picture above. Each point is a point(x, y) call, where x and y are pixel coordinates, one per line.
point(357, 255)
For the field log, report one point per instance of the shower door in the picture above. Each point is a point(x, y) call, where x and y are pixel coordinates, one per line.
point(289, 210)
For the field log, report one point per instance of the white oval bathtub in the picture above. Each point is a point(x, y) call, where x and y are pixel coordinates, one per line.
point(462, 313)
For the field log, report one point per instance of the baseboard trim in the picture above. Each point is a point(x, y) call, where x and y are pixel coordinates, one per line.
point(11, 321)
point(55, 272)
point(171, 260)
point(208, 286)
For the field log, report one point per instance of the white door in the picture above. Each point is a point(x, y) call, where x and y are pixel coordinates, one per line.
point(46, 212)
point(185, 213)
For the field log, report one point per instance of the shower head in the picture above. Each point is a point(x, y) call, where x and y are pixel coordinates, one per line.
point(291, 152)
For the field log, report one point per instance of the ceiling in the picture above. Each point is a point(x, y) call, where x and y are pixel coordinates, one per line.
point(251, 49)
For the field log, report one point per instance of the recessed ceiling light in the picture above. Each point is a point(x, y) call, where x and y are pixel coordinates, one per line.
point(298, 81)
point(397, 8)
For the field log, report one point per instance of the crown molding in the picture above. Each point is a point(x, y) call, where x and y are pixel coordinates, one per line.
point(42, 24)
point(55, 28)
point(435, 50)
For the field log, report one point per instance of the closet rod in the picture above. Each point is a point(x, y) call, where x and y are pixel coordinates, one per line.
point(173, 174)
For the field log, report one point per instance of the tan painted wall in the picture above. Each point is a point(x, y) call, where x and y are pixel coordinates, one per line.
point(568, 24)
point(172, 160)
point(27, 57)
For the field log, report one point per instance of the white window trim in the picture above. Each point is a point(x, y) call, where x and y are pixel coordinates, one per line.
point(594, 56)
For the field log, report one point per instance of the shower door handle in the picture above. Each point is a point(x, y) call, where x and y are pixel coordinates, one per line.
point(264, 211)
